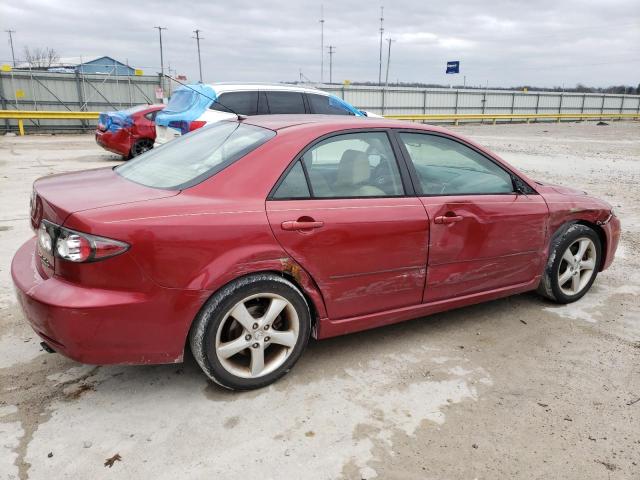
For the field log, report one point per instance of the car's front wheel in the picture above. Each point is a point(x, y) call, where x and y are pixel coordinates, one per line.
point(574, 259)
point(251, 332)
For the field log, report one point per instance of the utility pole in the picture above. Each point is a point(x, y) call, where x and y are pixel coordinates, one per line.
point(332, 50)
point(161, 58)
point(321, 43)
point(198, 38)
point(13, 57)
point(386, 82)
point(381, 32)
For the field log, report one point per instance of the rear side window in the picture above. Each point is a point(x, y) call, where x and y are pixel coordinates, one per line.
point(294, 184)
point(243, 103)
point(192, 158)
point(151, 115)
point(324, 104)
point(285, 102)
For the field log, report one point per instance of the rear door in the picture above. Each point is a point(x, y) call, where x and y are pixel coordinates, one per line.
point(281, 102)
point(345, 213)
point(483, 235)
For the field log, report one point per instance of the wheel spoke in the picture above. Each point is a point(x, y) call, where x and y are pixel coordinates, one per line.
point(564, 277)
point(257, 361)
point(286, 338)
point(275, 308)
point(568, 257)
point(229, 349)
point(584, 244)
point(588, 264)
point(242, 316)
point(575, 284)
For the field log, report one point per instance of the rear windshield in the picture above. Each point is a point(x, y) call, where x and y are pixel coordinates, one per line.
point(194, 157)
point(181, 101)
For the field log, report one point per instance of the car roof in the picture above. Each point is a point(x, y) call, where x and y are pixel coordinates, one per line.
point(276, 87)
point(340, 122)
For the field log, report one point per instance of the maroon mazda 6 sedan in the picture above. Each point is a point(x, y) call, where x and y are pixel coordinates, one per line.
point(244, 238)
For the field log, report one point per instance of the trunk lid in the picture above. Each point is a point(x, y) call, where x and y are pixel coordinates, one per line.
point(56, 197)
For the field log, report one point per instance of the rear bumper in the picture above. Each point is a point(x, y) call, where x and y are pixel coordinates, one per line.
point(612, 231)
point(118, 142)
point(100, 326)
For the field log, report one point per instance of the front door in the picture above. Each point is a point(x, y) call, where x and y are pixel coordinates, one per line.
point(342, 213)
point(483, 234)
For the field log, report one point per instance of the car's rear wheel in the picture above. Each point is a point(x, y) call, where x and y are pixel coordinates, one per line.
point(574, 259)
point(140, 146)
point(251, 332)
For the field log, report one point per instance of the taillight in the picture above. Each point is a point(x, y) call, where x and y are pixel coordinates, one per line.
point(195, 124)
point(77, 246)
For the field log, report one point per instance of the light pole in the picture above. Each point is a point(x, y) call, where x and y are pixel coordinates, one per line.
point(161, 58)
point(13, 57)
point(198, 38)
point(386, 81)
point(332, 50)
point(381, 32)
point(321, 43)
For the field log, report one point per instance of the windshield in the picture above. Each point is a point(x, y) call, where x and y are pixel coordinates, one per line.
point(192, 158)
point(181, 100)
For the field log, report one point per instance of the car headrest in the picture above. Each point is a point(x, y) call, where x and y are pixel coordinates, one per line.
point(353, 168)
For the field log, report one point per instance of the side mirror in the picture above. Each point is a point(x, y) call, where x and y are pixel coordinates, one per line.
point(520, 187)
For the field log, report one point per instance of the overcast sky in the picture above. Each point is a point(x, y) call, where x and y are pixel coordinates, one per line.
point(502, 42)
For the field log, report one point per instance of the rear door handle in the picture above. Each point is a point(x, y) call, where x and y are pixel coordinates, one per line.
point(297, 225)
point(448, 219)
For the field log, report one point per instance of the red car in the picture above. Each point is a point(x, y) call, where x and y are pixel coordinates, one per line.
point(128, 132)
point(244, 238)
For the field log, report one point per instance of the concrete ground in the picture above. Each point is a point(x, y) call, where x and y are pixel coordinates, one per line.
point(515, 388)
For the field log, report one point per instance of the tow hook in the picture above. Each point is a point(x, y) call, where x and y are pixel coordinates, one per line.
point(47, 348)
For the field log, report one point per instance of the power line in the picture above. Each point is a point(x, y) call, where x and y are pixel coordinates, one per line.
point(332, 50)
point(161, 57)
point(321, 43)
point(198, 38)
point(386, 81)
point(381, 32)
point(11, 32)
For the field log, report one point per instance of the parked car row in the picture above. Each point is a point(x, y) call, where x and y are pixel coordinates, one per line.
point(134, 131)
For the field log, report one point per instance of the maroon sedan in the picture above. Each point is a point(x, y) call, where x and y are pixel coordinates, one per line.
point(128, 132)
point(244, 238)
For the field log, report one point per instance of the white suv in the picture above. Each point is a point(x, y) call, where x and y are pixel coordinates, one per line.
point(192, 106)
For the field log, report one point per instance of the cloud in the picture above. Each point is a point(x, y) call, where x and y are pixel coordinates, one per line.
point(503, 42)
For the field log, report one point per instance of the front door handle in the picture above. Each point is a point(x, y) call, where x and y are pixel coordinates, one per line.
point(301, 225)
point(448, 219)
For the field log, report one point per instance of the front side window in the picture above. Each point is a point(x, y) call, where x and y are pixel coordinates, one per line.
point(353, 165)
point(327, 105)
point(242, 103)
point(447, 167)
point(195, 157)
point(285, 102)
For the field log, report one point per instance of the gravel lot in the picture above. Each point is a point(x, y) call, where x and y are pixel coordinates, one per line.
point(515, 388)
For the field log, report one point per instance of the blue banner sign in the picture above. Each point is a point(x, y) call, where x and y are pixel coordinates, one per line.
point(453, 67)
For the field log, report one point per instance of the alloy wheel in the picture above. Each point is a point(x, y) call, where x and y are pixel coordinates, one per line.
point(257, 335)
point(577, 266)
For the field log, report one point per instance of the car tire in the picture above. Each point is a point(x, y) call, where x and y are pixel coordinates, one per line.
point(251, 332)
point(570, 272)
point(139, 147)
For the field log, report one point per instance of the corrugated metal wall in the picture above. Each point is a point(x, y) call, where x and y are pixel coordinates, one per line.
point(399, 100)
point(26, 90)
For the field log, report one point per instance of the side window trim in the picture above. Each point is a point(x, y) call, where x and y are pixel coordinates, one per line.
point(414, 175)
point(405, 174)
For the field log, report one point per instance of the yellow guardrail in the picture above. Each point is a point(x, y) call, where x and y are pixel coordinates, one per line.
point(22, 115)
point(517, 116)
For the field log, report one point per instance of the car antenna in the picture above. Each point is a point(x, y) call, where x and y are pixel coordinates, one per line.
point(239, 116)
